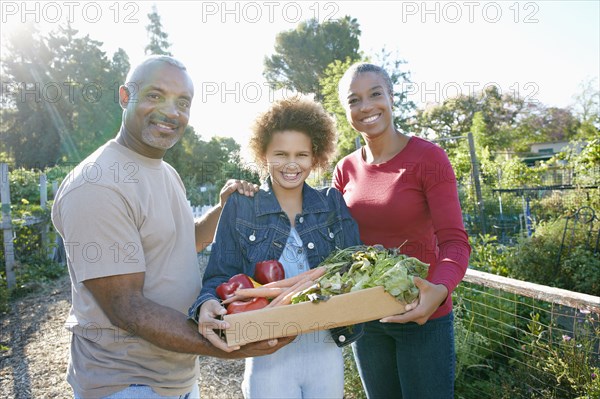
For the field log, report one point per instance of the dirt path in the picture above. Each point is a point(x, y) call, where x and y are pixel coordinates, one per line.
point(35, 362)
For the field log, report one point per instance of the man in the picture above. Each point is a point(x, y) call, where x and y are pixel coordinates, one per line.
point(131, 246)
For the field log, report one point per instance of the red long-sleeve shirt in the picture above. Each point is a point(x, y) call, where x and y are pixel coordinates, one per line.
point(410, 201)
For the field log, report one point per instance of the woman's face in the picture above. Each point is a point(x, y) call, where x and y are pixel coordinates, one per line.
point(368, 104)
point(290, 159)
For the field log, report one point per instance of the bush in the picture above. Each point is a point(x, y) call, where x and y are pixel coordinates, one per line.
point(488, 255)
point(561, 366)
point(583, 269)
point(33, 266)
point(539, 259)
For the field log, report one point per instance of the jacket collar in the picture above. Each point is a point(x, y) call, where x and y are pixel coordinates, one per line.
point(265, 201)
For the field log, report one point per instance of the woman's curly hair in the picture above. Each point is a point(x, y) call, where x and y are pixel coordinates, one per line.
point(299, 114)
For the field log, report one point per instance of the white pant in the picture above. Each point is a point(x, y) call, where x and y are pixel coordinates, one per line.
point(310, 367)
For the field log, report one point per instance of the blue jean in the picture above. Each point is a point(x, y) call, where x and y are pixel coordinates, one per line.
point(407, 361)
point(146, 392)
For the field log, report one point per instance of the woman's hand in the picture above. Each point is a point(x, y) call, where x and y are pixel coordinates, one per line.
point(431, 296)
point(208, 322)
point(242, 186)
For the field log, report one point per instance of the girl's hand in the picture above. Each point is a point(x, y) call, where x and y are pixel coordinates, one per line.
point(430, 298)
point(208, 322)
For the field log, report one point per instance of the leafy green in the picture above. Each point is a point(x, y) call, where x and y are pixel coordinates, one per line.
point(360, 267)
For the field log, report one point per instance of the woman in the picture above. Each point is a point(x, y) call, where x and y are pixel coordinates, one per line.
point(402, 192)
point(300, 226)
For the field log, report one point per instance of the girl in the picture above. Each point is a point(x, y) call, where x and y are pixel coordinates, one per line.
point(300, 226)
point(402, 192)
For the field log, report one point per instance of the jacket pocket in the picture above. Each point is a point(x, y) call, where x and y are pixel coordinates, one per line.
point(254, 240)
point(332, 236)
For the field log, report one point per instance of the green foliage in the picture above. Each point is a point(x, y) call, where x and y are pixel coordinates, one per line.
point(583, 270)
point(208, 164)
point(159, 43)
point(563, 366)
point(4, 298)
point(33, 266)
point(24, 185)
point(488, 255)
point(468, 345)
point(515, 173)
point(75, 112)
point(586, 164)
point(536, 259)
point(455, 116)
point(347, 136)
point(484, 329)
point(302, 54)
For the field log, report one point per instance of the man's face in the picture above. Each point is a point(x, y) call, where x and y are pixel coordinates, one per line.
point(157, 108)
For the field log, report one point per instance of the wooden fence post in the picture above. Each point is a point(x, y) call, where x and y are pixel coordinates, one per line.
point(476, 181)
point(45, 229)
point(9, 250)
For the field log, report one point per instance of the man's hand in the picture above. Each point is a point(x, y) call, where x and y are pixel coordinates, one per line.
point(208, 322)
point(242, 187)
point(260, 348)
point(430, 298)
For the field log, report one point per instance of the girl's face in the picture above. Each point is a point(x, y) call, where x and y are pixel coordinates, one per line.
point(289, 157)
point(369, 105)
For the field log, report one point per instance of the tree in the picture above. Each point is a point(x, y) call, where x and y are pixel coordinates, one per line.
point(538, 124)
point(62, 102)
point(347, 136)
point(454, 117)
point(207, 164)
point(587, 110)
point(587, 102)
point(159, 44)
point(302, 54)
point(30, 128)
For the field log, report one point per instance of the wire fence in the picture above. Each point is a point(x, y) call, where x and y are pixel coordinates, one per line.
point(522, 340)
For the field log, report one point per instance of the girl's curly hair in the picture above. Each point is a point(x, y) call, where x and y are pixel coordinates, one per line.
point(299, 114)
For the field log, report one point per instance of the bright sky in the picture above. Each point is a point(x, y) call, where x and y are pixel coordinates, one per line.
point(541, 49)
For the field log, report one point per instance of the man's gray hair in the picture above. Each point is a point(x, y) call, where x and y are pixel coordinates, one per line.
point(155, 58)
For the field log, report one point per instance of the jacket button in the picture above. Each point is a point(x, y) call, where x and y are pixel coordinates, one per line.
point(342, 338)
point(301, 219)
point(331, 235)
point(310, 245)
point(252, 237)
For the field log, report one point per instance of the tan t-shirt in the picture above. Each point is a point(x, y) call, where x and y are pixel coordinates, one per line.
point(118, 213)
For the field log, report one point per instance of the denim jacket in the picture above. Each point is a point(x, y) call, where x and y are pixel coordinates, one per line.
point(253, 229)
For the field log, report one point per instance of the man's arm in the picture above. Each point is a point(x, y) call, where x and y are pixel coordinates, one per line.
point(206, 226)
point(121, 299)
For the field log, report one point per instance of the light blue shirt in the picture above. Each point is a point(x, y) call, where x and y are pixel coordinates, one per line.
point(293, 258)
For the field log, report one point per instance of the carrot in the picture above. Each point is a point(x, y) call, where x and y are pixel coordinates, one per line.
point(312, 274)
point(287, 299)
point(317, 272)
point(232, 298)
point(278, 299)
point(265, 292)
